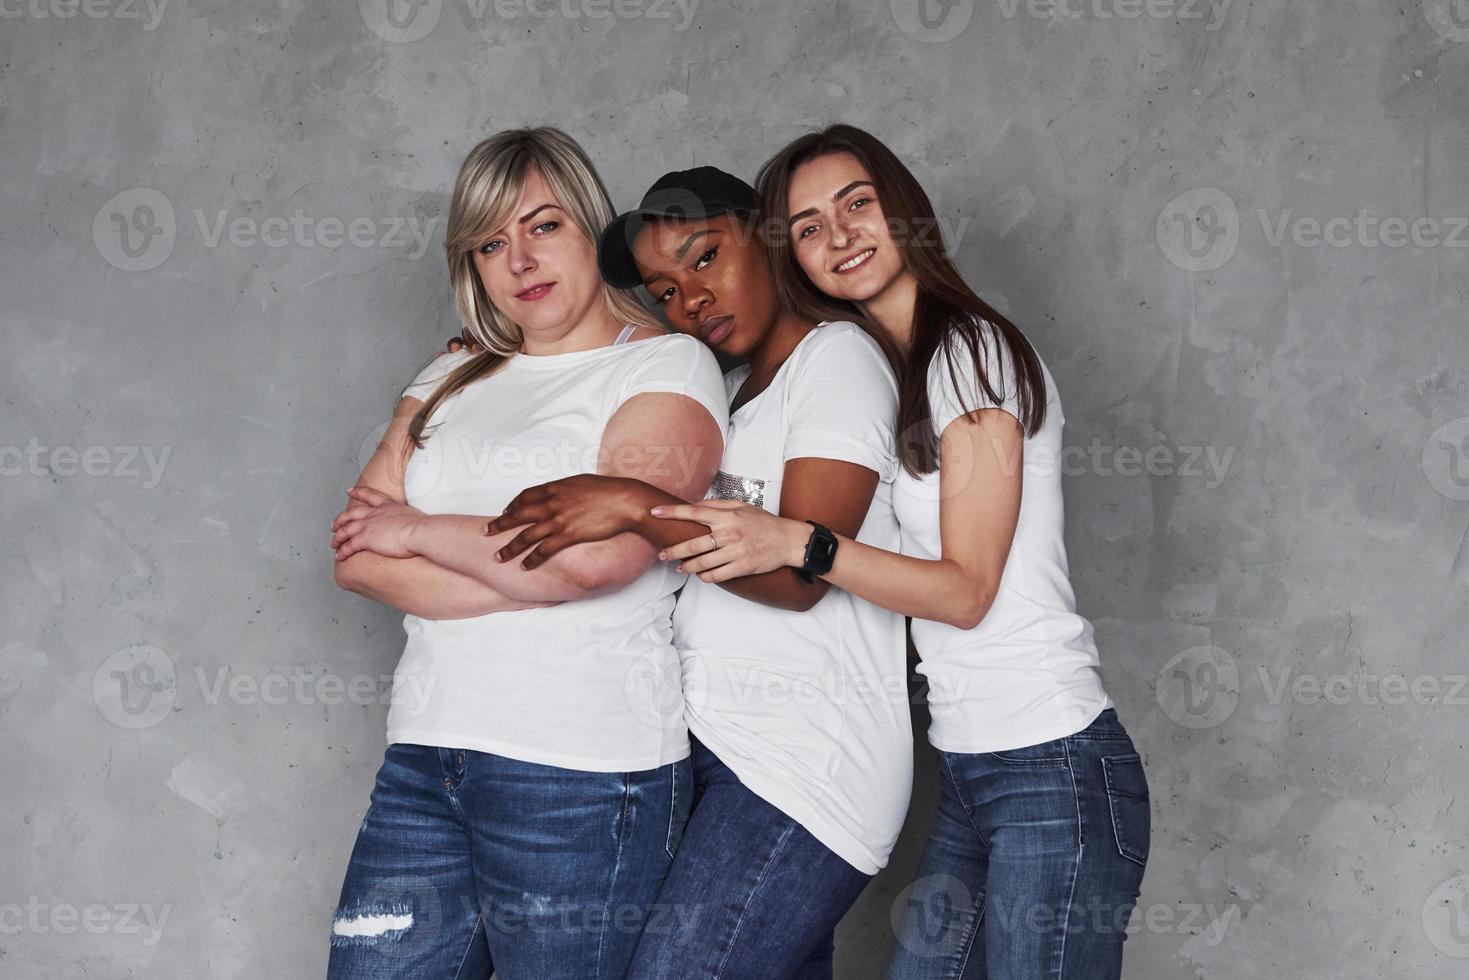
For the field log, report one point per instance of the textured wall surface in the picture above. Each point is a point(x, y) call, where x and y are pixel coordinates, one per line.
point(1236, 231)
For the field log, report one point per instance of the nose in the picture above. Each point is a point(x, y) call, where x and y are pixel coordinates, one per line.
point(522, 257)
point(839, 234)
point(695, 298)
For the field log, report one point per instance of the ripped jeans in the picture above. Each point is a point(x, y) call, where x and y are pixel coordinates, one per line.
point(469, 862)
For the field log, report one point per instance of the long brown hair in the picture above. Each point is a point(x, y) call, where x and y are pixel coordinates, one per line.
point(490, 183)
point(947, 314)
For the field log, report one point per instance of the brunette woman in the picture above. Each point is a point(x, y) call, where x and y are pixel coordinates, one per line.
point(1037, 852)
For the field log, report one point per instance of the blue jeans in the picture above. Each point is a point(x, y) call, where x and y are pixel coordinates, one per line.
point(1033, 865)
point(752, 894)
point(468, 862)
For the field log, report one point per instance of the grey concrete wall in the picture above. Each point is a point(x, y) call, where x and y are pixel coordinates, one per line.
point(1236, 232)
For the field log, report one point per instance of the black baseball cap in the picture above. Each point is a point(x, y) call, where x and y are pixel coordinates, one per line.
point(703, 192)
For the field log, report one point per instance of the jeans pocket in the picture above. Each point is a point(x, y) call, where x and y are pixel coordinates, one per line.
point(1050, 754)
point(1127, 795)
point(680, 802)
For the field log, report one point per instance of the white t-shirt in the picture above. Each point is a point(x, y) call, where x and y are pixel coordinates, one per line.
point(809, 709)
point(575, 685)
point(1028, 673)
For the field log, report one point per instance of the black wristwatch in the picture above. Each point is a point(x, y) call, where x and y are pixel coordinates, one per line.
point(821, 551)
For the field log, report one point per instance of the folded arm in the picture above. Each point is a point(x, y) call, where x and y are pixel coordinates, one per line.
point(666, 440)
point(416, 585)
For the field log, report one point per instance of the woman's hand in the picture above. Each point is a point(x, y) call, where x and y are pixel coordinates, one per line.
point(374, 522)
point(569, 511)
point(457, 344)
point(742, 540)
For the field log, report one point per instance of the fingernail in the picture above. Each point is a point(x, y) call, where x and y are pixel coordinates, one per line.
point(657, 511)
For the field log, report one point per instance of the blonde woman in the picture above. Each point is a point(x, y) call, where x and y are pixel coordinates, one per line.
point(536, 781)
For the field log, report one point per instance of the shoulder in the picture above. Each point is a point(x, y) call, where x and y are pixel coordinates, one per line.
point(428, 378)
point(990, 349)
point(663, 343)
point(844, 346)
point(447, 361)
point(674, 351)
point(843, 333)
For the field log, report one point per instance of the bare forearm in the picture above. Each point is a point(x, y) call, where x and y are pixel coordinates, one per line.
point(781, 589)
point(421, 587)
point(933, 589)
point(458, 542)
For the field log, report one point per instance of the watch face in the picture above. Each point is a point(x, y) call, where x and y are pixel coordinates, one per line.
point(823, 549)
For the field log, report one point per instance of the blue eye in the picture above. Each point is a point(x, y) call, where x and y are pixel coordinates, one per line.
point(546, 227)
point(491, 246)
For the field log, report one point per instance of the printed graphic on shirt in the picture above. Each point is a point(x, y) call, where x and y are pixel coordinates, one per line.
point(731, 487)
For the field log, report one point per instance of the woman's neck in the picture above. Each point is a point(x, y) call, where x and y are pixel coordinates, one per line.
point(596, 328)
point(788, 330)
point(892, 309)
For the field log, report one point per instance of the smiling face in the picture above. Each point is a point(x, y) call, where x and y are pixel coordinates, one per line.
point(539, 269)
point(711, 279)
point(839, 234)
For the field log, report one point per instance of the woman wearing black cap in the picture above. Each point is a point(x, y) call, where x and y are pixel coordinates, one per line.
point(795, 692)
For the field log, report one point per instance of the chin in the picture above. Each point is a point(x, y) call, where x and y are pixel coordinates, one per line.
point(850, 291)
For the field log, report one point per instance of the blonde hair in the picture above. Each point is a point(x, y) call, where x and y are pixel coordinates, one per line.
point(490, 184)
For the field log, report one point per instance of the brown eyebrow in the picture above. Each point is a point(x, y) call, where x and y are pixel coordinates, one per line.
point(835, 197)
point(522, 220)
point(681, 252)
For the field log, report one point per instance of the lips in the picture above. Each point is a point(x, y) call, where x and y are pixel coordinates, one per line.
point(539, 291)
point(715, 329)
point(855, 262)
